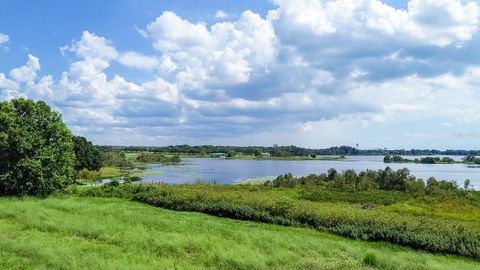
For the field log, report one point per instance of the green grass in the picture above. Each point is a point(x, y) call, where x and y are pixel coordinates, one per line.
point(103, 173)
point(106, 172)
point(431, 223)
point(256, 181)
point(110, 233)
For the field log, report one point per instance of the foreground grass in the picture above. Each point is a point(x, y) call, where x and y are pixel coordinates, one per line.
point(432, 223)
point(109, 233)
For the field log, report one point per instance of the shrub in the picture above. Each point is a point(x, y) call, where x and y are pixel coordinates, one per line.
point(135, 178)
point(87, 174)
point(371, 259)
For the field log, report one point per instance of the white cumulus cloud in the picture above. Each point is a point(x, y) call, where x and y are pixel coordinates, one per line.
point(429, 22)
point(307, 66)
point(224, 53)
point(4, 38)
point(136, 60)
point(220, 14)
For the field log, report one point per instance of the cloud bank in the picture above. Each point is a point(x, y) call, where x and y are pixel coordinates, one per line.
point(286, 77)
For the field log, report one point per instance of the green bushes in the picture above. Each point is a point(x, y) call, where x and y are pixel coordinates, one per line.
point(386, 180)
point(363, 216)
point(87, 174)
point(375, 197)
point(115, 158)
point(145, 157)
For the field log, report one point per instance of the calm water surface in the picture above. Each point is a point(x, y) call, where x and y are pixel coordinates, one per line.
point(234, 171)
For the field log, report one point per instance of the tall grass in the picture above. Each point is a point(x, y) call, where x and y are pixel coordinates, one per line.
point(367, 218)
point(110, 233)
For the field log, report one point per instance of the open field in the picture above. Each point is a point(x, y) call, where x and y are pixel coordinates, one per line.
point(110, 233)
point(434, 223)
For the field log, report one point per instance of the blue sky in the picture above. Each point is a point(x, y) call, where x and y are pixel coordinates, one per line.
point(314, 73)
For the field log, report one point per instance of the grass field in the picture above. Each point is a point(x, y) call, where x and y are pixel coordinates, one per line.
point(109, 233)
point(441, 224)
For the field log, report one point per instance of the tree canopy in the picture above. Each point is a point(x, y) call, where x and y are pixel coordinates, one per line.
point(87, 155)
point(36, 149)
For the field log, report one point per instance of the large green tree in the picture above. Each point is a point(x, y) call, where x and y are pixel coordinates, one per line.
point(36, 149)
point(87, 155)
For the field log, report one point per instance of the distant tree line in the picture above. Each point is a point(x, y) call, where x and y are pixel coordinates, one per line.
point(287, 151)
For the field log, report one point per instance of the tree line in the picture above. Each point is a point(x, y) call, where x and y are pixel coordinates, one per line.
point(287, 151)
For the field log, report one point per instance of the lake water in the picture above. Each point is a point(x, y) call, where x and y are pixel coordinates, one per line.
point(234, 171)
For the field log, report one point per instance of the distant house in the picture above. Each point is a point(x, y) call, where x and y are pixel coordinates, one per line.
point(266, 155)
point(219, 155)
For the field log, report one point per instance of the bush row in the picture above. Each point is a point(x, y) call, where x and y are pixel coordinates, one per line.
point(371, 180)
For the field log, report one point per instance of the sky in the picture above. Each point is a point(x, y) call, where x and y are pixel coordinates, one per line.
point(312, 73)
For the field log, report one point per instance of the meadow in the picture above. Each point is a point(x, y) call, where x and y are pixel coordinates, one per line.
point(439, 224)
point(67, 232)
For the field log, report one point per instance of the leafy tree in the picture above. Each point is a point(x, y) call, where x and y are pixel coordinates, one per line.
point(36, 149)
point(258, 152)
point(87, 155)
point(231, 154)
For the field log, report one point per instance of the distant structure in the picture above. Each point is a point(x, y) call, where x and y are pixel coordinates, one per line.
point(266, 155)
point(219, 155)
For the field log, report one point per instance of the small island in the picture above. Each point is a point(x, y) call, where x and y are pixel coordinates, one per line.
point(430, 160)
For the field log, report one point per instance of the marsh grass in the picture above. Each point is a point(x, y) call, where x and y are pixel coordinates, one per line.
point(110, 233)
point(440, 228)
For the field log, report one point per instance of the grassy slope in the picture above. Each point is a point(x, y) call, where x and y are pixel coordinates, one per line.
point(437, 224)
point(103, 233)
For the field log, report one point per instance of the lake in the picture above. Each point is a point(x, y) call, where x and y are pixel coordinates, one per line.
point(230, 171)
